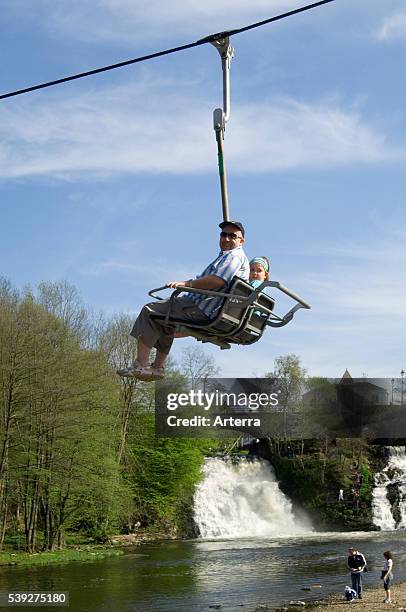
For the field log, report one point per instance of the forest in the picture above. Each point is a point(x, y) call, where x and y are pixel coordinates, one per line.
point(78, 450)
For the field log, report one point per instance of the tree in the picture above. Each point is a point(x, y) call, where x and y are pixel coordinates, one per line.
point(58, 435)
point(197, 366)
point(64, 302)
point(120, 350)
point(9, 392)
point(291, 377)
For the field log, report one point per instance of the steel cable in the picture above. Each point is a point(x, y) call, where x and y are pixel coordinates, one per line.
point(202, 41)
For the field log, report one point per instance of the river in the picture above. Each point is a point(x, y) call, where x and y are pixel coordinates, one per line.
point(192, 575)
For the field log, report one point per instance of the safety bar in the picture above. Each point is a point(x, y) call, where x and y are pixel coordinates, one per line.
point(207, 292)
point(286, 318)
point(249, 300)
point(285, 290)
point(273, 320)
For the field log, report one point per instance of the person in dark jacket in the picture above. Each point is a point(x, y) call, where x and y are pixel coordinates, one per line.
point(356, 565)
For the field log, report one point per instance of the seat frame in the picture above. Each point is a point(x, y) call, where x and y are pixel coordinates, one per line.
point(242, 317)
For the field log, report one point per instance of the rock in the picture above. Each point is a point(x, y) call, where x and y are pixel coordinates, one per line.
point(299, 604)
point(306, 588)
point(216, 606)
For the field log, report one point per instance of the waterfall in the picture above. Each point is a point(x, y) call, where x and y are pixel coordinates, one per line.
point(389, 494)
point(242, 499)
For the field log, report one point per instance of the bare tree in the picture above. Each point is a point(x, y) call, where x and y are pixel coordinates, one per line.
point(197, 365)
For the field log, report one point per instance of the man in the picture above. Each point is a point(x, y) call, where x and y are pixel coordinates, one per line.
point(356, 564)
point(193, 307)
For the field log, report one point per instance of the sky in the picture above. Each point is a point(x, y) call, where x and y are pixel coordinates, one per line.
point(111, 183)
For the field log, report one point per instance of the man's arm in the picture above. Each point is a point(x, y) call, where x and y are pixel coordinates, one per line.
point(210, 282)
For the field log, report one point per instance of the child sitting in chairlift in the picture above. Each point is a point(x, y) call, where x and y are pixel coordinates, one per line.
point(259, 270)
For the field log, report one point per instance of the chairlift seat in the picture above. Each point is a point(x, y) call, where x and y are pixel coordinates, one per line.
point(242, 317)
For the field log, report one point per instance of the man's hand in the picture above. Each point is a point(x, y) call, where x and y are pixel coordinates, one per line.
point(174, 284)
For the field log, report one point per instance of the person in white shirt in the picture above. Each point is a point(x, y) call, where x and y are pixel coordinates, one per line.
point(387, 575)
point(193, 307)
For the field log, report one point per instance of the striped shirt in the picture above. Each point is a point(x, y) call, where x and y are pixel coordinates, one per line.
point(226, 265)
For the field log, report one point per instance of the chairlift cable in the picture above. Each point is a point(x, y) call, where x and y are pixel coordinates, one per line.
point(202, 41)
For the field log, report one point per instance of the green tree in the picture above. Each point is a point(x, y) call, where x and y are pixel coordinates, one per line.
point(291, 377)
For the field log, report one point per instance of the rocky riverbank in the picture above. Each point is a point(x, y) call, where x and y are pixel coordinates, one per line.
point(372, 602)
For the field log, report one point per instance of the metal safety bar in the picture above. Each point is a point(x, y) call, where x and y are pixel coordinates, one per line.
point(207, 292)
point(251, 299)
point(285, 290)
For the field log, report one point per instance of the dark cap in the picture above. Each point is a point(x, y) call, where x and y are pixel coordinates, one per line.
point(236, 223)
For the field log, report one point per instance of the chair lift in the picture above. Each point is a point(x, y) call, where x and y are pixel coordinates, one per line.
point(245, 312)
point(242, 318)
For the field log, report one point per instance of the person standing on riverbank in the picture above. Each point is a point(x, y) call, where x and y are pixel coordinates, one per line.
point(356, 564)
point(387, 575)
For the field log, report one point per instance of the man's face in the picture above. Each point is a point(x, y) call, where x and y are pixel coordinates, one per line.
point(230, 238)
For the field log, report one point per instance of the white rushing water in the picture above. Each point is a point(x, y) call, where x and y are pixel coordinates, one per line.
point(243, 500)
point(394, 473)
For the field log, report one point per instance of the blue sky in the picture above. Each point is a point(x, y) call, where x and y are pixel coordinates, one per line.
point(111, 182)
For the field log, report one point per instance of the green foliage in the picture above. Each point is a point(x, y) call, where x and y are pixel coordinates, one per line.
point(365, 491)
point(291, 376)
point(314, 479)
point(165, 472)
point(78, 451)
point(87, 554)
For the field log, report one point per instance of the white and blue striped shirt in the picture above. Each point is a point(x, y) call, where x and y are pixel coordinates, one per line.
point(226, 265)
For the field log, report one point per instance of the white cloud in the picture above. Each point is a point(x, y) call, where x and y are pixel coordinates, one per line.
point(364, 281)
point(154, 272)
point(358, 301)
point(130, 21)
point(393, 27)
point(149, 128)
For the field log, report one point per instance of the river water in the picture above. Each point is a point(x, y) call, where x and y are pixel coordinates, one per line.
point(191, 575)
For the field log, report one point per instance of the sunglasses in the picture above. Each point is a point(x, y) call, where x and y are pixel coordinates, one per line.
point(228, 235)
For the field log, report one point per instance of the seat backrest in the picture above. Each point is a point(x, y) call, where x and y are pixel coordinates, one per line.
point(237, 321)
point(266, 301)
point(241, 321)
point(235, 308)
point(255, 319)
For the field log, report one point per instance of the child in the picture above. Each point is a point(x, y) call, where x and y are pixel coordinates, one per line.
point(387, 575)
point(349, 594)
point(259, 270)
